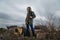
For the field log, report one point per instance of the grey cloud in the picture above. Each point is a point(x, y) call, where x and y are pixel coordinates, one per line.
point(8, 18)
point(5, 16)
point(43, 8)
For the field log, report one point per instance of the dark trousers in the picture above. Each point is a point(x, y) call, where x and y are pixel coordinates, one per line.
point(27, 30)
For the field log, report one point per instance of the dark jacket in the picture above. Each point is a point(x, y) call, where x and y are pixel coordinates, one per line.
point(29, 20)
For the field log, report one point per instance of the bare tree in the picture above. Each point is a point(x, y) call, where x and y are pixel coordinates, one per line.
point(51, 20)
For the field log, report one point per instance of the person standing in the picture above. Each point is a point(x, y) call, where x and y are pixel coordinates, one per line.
point(29, 21)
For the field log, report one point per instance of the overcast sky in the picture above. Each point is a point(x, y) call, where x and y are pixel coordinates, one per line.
point(13, 12)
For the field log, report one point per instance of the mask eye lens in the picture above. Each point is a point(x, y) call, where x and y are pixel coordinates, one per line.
point(16, 30)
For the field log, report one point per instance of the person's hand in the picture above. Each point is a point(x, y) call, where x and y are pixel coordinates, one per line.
point(30, 16)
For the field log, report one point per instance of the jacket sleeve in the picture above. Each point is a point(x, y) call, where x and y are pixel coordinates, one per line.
point(33, 15)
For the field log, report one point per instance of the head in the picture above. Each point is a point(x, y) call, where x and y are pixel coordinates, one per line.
point(28, 9)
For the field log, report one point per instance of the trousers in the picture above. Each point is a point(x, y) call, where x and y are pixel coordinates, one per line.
point(27, 33)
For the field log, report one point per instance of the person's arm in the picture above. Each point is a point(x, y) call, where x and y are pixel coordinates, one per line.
point(26, 19)
point(33, 15)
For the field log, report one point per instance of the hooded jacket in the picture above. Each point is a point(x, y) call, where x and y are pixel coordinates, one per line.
point(29, 20)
